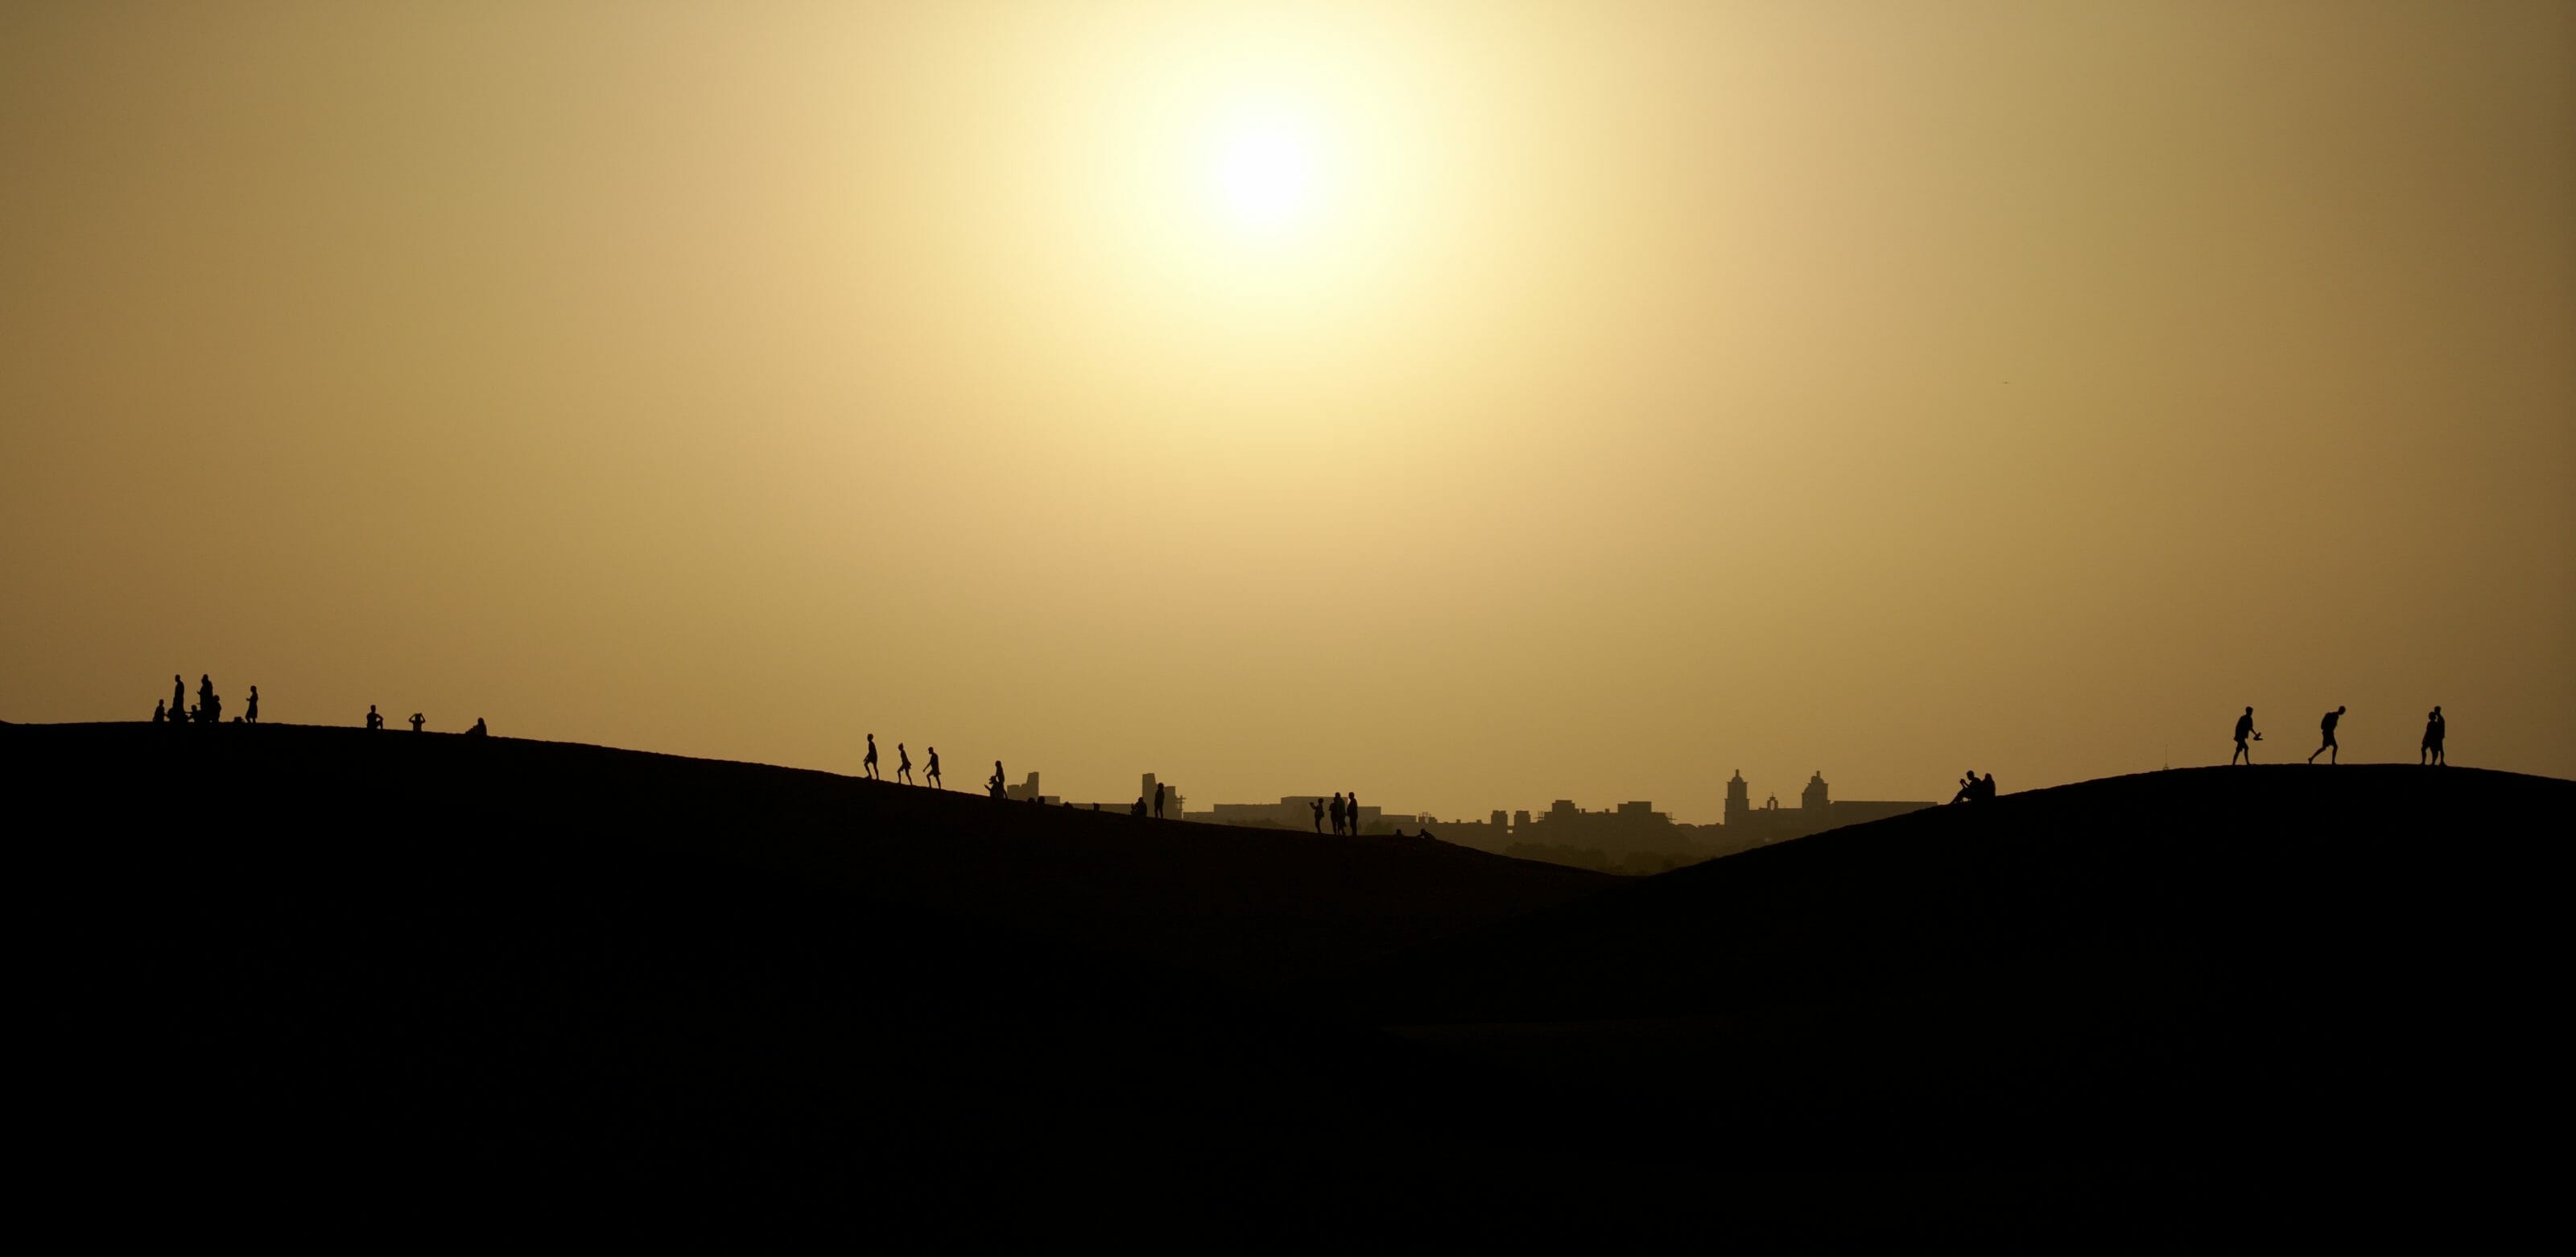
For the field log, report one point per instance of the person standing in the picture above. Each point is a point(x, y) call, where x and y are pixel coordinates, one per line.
point(1351, 808)
point(1319, 814)
point(1158, 800)
point(995, 786)
point(178, 698)
point(931, 773)
point(2327, 726)
point(374, 721)
point(1341, 814)
point(2435, 727)
point(417, 721)
point(250, 710)
point(2244, 730)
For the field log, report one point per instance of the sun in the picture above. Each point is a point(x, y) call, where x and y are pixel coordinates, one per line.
point(1265, 173)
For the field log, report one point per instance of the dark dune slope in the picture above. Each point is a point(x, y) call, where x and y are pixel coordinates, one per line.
point(1244, 904)
point(2344, 959)
point(324, 983)
point(323, 987)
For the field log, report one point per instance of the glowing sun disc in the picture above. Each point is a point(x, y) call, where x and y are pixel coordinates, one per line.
point(1266, 175)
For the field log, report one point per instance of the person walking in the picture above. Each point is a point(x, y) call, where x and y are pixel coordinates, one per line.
point(1319, 814)
point(903, 765)
point(2435, 727)
point(2244, 730)
point(930, 773)
point(868, 769)
point(2327, 725)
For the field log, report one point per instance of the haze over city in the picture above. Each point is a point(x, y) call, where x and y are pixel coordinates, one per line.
point(1469, 405)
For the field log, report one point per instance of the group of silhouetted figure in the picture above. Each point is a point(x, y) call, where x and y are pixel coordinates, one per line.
point(209, 708)
point(996, 786)
point(1344, 813)
point(420, 722)
point(2436, 728)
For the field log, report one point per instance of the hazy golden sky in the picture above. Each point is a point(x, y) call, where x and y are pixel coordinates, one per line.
point(1471, 405)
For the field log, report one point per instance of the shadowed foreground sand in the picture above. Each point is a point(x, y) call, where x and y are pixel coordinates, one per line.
point(327, 984)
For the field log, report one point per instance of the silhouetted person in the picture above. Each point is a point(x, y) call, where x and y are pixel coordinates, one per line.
point(250, 710)
point(2327, 726)
point(417, 720)
point(1158, 800)
point(374, 721)
point(1986, 789)
point(178, 697)
point(1352, 807)
point(2434, 728)
point(931, 773)
point(1319, 815)
point(1138, 810)
point(994, 787)
point(209, 708)
point(159, 712)
point(478, 730)
point(1341, 814)
point(903, 765)
point(869, 768)
point(2244, 730)
point(1967, 788)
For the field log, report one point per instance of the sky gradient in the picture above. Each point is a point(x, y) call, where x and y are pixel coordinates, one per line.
point(1632, 394)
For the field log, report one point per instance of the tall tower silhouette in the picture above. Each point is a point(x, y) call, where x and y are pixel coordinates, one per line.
point(1813, 802)
point(1739, 799)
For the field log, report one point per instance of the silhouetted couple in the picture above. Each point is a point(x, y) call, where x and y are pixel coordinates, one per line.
point(1975, 789)
point(993, 784)
point(2434, 729)
point(2328, 726)
point(2244, 730)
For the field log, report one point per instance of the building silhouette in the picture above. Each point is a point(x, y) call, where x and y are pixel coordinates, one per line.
point(1750, 826)
point(1293, 811)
